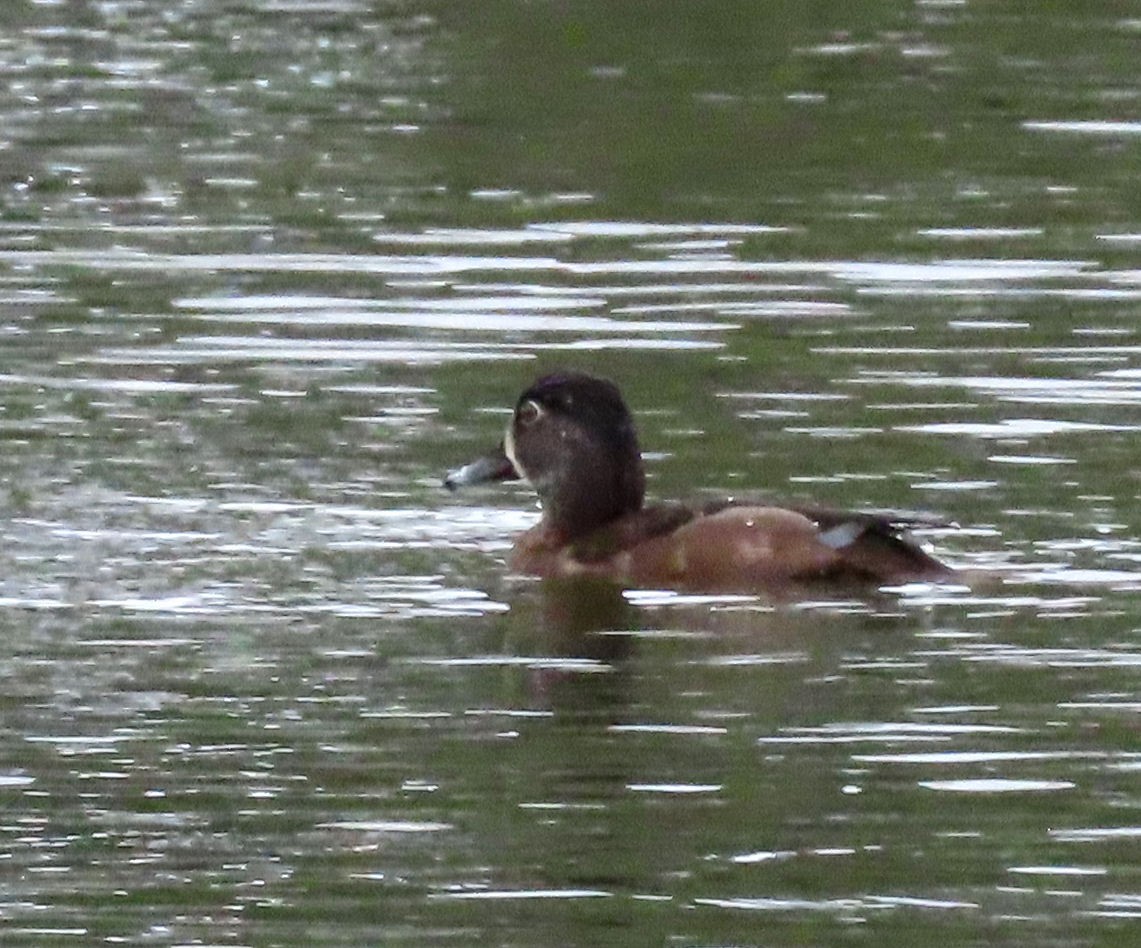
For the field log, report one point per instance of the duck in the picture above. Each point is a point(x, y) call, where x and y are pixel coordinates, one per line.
point(572, 438)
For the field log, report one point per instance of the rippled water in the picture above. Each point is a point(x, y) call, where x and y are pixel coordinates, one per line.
point(269, 269)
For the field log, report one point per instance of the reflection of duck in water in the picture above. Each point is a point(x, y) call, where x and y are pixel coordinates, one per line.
point(573, 439)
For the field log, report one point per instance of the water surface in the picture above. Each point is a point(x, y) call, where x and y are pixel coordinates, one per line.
point(269, 269)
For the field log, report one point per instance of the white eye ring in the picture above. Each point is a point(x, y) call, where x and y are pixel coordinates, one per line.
point(528, 412)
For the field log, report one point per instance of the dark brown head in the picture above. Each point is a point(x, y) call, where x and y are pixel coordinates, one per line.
point(572, 438)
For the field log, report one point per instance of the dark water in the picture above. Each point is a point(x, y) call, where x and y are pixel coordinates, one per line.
point(268, 269)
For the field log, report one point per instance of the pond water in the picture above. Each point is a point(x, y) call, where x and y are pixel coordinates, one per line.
point(268, 269)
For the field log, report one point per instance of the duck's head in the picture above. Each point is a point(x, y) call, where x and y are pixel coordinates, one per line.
point(572, 438)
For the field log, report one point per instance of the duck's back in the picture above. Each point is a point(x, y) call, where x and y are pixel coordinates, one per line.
point(727, 546)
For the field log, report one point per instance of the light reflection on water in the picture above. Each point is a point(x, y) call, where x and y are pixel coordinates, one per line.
point(264, 681)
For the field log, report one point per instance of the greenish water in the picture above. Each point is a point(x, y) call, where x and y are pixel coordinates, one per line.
point(269, 269)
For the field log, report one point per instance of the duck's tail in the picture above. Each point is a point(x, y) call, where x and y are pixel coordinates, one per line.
point(878, 545)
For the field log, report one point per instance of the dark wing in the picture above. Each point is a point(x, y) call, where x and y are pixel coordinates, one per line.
point(871, 544)
point(876, 543)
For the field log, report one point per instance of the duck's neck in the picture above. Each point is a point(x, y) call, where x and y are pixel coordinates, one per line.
point(596, 497)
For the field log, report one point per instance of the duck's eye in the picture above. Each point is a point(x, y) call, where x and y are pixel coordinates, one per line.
point(528, 413)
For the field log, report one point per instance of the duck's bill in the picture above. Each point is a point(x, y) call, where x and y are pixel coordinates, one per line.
point(494, 467)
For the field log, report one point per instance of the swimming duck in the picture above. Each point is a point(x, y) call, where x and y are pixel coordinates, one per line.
point(572, 438)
